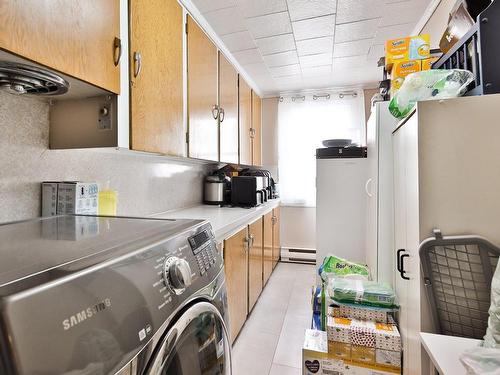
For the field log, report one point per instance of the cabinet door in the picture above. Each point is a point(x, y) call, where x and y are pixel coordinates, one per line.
point(276, 236)
point(156, 110)
point(228, 103)
point(255, 263)
point(401, 286)
point(257, 130)
point(372, 196)
point(268, 246)
point(202, 94)
point(74, 37)
point(235, 264)
point(245, 106)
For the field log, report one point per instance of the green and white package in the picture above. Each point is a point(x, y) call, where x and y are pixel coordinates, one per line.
point(362, 292)
point(334, 267)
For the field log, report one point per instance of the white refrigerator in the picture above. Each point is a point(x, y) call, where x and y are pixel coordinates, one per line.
point(341, 208)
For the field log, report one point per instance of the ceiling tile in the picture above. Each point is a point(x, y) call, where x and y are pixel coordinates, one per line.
point(358, 47)
point(316, 71)
point(315, 60)
point(275, 44)
point(272, 24)
point(205, 6)
point(357, 10)
point(302, 9)
point(315, 46)
point(248, 56)
point(239, 41)
point(350, 62)
point(255, 8)
point(218, 21)
point(293, 78)
point(287, 70)
point(256, 69)
point(376, 51)
point(280, 59)
point(393, 32)
point(405, 12)
point(314, 27)
point(347, 32)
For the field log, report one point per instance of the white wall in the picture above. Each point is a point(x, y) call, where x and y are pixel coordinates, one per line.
point(298, 224)
point(146, 184)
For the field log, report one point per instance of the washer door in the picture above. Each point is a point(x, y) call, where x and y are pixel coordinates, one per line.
point(197, 344)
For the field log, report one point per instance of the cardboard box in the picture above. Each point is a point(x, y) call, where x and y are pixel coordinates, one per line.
point(79, 198)
point(339, 350)
point(314, 351)
point(363, 354)
point(343, 367)
point(360, 313)
point(408, 48)
point(387, 337)
point(388, 358)
point(401, 70)
point(49, 198)
point(339, 329)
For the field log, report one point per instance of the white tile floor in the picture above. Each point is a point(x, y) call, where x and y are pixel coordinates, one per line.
point(271, 341)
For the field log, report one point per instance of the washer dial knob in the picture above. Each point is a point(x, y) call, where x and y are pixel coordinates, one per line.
point(177, 274)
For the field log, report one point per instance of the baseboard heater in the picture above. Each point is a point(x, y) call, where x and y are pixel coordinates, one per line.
point(298, 255)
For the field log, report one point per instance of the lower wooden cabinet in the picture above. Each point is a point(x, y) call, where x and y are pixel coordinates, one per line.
point(268, 246)
point(276, 221)
point(255, 262)
point(235, 264)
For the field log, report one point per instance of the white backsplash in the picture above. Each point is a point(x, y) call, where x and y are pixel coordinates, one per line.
point(146, 184)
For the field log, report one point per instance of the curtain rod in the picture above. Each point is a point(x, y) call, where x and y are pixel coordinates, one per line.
point(326, 96)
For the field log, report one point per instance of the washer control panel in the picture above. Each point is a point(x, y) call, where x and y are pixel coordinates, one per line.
point(203, 247)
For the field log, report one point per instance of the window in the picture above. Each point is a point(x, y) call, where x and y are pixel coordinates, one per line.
point(303, 123)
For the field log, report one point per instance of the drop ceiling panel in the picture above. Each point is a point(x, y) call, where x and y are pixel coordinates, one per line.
point(205, 6)
point(239, 41)
point(314, 27)
point(276, 44)
point(302, 9)
point(249, 56)
point(288, 70)
point(315, 60)
point(315, 46)
point(269, 25)
point(355, 48)
point(357, 10)
point(219, 21)
point(305, 44)
point(347, 32)
point(261, 7)
point(280, 59)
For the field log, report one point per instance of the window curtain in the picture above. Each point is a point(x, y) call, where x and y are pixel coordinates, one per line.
point(303, 123)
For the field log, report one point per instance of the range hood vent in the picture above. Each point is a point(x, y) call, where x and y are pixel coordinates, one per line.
point(19, 79)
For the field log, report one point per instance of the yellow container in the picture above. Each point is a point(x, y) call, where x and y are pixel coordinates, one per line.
point(339, 350)
point(407, 48)
point(108, 201)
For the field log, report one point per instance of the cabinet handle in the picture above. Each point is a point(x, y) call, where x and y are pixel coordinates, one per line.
point(252, 239)
point(398, 259)
point(222, 115)
point(247, 243)
point(402, 272)
point(137, 64)
point(252, 133)
point(368, 182)
point(117, 51)
point(215, 111)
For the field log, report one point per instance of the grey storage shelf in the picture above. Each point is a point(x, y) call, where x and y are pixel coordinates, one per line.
point(457, 272)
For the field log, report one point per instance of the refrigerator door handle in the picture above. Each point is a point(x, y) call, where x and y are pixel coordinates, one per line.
point(368, 182)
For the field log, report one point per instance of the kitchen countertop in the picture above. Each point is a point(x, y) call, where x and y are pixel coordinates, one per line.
point(225, 221)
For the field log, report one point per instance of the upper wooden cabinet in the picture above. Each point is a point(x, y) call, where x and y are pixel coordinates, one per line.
point(203, 111)
point(77, 38)
point(245, 102)
point(236, 269)
point(228, 117)
point(156, 97)
point(256, 130)
point(255, 262)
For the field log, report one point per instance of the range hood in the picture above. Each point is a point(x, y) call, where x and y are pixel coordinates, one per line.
point(21, 76)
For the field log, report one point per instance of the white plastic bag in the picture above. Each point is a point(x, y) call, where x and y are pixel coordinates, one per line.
point(484, 361)
point(492, 337)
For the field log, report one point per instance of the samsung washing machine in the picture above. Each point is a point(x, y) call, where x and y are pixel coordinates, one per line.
point(104, 295)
